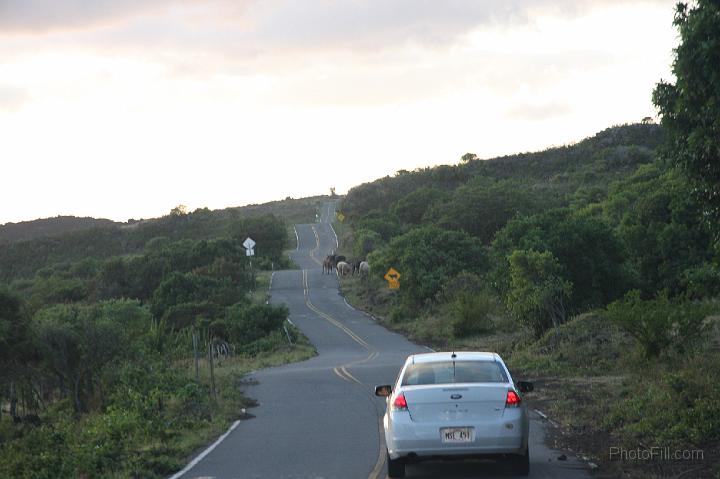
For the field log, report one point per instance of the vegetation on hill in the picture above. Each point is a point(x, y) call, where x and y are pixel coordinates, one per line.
point(99, 328)
point(513, 254)
point(267, 224)
point(46, 227)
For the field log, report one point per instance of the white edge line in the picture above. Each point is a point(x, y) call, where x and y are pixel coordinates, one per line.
point(206, 451)
point(540, 413)
point(297, 239)
point(337, 243)
point(359, 310)
point(290, 321)
point(272, 276)
point(546, 418)
point(430, 349)
point(349, 305)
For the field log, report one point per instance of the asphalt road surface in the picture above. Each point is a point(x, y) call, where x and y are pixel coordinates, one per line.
point(319, 419)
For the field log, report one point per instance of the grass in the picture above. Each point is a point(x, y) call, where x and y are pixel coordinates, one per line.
point(260, 293)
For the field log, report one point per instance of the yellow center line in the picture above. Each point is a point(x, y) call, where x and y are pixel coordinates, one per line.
point(329, 318)
point(343, 373)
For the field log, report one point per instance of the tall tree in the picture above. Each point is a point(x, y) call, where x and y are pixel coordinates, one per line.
point(690, 108)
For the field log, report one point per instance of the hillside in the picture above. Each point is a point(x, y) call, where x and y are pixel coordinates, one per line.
point(46, 227)
point(590, 163)
point(23, 258)
point(589, 267)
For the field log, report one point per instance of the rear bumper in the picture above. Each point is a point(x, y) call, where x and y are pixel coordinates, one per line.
point(506, 435)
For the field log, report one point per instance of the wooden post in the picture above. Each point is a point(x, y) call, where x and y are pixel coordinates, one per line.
point(212, 372)
point(197, 356)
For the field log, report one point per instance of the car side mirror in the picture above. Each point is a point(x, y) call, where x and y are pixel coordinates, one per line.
point(525, 386)
point(383, 391)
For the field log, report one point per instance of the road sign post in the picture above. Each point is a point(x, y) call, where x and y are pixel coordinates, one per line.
point(249, 245)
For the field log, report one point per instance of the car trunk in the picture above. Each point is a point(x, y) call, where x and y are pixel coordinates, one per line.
point(456, 402)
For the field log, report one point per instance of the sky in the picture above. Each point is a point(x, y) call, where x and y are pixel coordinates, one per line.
point(127, 109)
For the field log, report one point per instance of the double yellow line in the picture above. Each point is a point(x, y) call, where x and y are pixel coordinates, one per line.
point(329, 318)
point(341, 371)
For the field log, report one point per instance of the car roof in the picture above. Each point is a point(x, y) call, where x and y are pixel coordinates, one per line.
point(459, 356)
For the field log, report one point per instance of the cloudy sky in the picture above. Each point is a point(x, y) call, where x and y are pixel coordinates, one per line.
point(127, 109)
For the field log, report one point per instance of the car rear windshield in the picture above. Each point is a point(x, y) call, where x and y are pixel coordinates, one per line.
point(449, 372)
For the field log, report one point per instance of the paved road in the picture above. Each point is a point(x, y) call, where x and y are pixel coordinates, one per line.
point(319, 419)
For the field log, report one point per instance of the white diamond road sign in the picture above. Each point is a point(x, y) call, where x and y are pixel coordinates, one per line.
point(249, 245)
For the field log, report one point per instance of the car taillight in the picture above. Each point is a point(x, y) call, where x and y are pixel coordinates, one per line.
point(513, 400)
point(400, 404)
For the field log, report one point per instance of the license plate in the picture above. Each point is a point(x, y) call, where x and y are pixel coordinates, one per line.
point(456, 434)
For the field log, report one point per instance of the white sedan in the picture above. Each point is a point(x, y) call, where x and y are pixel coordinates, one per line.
point(455, 405)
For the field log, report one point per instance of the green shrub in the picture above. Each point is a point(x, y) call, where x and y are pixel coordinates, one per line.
point(538, 292)
point(701, 282)
point(365, 242)
point(246, 323)
point(472, 314)
point(671, 408)
point(659, 323)
point(401, 313)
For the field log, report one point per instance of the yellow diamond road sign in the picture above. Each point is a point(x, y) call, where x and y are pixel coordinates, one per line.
point(340, 217)
point(393, 278)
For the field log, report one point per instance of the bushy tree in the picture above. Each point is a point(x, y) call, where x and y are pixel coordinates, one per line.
point(660, 227)
point(471, 304)
point(383, 223)
point(245, 323)
point(179, 288)
point(690, 108)
point(427, 257)
point(411, 208)
point(702, 282)
point(366, 241)
point(268, 231)
point(76, 343)
point(538, 293)
point(483, 206)
point(588, 252)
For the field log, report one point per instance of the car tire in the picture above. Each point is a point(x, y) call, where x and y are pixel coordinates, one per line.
point(395, 467)
point(521, 464)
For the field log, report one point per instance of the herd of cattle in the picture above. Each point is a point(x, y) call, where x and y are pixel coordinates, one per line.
point(345, 267)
